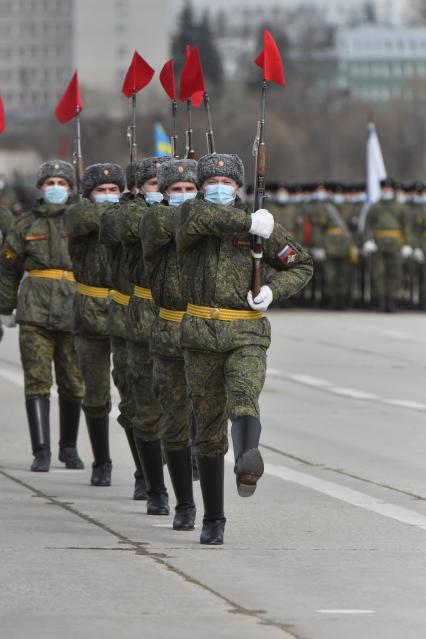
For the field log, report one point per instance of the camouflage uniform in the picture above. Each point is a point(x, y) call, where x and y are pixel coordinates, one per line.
point(140, 319)
point(117, 312)
point(226, 360)
point(159, 248)
point(387, 225)
point(91, 268)
point(6, 222)
point(288, 215)
point(419, 212)
point(326, 234)
point(38, 244)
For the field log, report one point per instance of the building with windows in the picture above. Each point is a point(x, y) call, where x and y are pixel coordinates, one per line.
point(43, 41)
point(380, 63)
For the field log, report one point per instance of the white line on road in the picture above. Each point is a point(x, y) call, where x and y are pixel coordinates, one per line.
point(347, 611)
point(352, 393)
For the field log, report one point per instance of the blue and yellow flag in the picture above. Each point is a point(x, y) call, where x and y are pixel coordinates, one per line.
point(162, 144)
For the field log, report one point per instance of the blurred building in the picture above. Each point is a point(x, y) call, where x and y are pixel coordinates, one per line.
point(35, 53)
point(42, 41)
point(379, 63)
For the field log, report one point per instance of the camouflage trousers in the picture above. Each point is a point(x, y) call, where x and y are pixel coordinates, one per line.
point(222, 386)
point(386, 274)
point(94, 360)
point(147, 412)
point(171, 391)
point(39, 349)
point(120, 376)
point(336, 278)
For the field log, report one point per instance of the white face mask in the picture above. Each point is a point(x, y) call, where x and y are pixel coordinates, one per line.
point(387, 196)
point(223, 194)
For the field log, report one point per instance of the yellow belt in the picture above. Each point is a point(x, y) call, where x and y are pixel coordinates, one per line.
point(171, 316)
point(93, 291)
point(120, 298)
point(334, 230)
point(224, 314)
point(52, 274)
point(144, 293)
point(391, 233)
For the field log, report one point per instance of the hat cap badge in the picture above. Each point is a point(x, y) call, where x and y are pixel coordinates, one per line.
point(221, 163)
point(106, 172)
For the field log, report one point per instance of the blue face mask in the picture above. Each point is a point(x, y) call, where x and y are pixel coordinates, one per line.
point(112, 198)
point(176, 199)
point(283, 199)
point(55, 194)
point(219, 194)
point(338, 199)
point(153, 197)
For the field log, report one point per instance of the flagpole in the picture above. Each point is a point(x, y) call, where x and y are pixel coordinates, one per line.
point(209, 133)
point(175, 135)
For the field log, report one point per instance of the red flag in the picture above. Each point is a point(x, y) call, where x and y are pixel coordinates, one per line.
point(167, 79)
point(270, 60)
point(137, 77)
point(192, 79)
point(70, 101)
point(197, 98)
point(2, 122)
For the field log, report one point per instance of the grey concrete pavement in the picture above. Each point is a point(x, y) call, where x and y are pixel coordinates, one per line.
point(322, 551)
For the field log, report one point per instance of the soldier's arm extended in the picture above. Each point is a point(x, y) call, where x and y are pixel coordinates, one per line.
point(196, 219)
point(108, 226)
point(83, 218)
point(128, 219)
point(11, 272)
point(156, 230)
point(291, 265)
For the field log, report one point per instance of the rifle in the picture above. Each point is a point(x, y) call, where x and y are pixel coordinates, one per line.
point(78, 156)
point(209, 133)
point(259, 152)
point(131, 133)
point(190, 153)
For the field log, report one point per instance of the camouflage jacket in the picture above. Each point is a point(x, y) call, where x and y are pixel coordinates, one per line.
point(90, 265)
point(141, 313)
point(326, 232)
point(6, 222)
point(385, 216)
point(38, 241)
point(157, 232)
point(109, 236)
point(215, 261)
point(288, 215)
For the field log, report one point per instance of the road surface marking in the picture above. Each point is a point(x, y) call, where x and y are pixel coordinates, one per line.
point(347, 611)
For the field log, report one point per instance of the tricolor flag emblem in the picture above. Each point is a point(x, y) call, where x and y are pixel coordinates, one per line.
point(285, 253)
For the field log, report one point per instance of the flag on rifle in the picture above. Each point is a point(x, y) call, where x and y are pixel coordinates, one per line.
point(71, 103)
point(2, 119)
point(376, 170)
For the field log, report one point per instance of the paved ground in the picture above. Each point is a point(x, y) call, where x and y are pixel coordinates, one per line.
point(332, 545)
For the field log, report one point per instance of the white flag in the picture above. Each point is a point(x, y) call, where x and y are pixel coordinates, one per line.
point(376, 171)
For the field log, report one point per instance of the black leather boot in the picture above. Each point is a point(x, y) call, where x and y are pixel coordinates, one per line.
point(249, 467)
point(151, 458)
point(98, 428)
point(179, 463)
point(69, 420)
point(140, 485)
point(38, 410)
point(212, 474)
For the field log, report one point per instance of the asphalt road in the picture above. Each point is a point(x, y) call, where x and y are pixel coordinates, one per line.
point(332, 544)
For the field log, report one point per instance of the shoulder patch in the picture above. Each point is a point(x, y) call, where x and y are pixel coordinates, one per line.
point(287, 255)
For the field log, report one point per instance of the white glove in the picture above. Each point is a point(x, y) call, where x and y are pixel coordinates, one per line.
point(262, 223)
point(370, 247)
point(8, 320)
point(262, 301)
point(319, 254)
point(419, 255)
point(406, 252)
